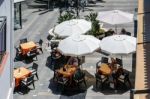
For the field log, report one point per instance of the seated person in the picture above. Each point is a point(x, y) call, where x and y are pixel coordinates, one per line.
point(119, 71)
point(73, 61)
point(123, 31)
point(109, 32)
point(113, 62)
point(55, 53)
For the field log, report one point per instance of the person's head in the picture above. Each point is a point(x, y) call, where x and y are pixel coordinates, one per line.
point(123, 31)
point(113, 60)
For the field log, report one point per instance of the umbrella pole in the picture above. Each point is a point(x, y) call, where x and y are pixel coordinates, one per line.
point(116, 28)
point(79, 61)
point(122, 60)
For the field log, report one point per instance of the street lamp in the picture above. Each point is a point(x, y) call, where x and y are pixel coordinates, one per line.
point(135, 14)
point(135, 21)
point(77, 2)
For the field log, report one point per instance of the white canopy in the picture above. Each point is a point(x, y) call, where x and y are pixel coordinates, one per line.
point(115, 17)
point(74, 26)
point(118, 44)
point(78, 45)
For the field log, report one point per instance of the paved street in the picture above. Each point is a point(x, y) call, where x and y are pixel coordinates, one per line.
point(36, 26)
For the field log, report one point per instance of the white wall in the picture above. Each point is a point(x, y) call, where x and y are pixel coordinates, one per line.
point(6, 88)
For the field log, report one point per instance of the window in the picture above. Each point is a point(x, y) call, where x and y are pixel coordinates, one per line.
point(2, 37)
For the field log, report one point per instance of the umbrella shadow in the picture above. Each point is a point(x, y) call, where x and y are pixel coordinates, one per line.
point(72, 90)
point(49, 63)
point(54, 64)
point(121, 87)
point(54, 87)
point(22, 90)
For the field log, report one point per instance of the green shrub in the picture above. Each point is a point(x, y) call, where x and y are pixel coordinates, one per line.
point(65, 17)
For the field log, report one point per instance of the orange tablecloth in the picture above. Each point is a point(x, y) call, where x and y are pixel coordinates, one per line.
point(69, 71)
point(19, 74)
point(105, 69)
point(26, 47)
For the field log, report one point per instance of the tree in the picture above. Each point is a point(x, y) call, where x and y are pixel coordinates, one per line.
point(91, 17)
point(95, 24)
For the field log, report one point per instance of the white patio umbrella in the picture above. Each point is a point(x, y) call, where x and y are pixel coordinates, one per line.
point(115, 17)
point(118, 44)
point(79, 45)
point(74, 26)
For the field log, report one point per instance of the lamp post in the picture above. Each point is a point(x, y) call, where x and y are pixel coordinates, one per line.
point(135, 21)
point(77, 8)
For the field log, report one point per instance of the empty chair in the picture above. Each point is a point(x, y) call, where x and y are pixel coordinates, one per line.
point(34, 69)
point(122, 78)
point(40, 43)
point(100, 80)
point(32, 54)
point(119, 62)
point(23, 40)
point(79, 77)
point(18, 51)
point(62, 81)
point(103, 60)
point(28, 81)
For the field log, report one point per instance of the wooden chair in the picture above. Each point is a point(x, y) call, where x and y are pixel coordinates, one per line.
point(79, 77)
point(123, 79)
point(119, 61)
point(24, 40)
point(19, 55)
point(39, 45)
point(103, 60)
point(61, 81)
point(32, 54)
point(100, 80)
point(34, 69)
point(28, 81)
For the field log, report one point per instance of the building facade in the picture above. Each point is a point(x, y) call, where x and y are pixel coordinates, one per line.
point(6, 49)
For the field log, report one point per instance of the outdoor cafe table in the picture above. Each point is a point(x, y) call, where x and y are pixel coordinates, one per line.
point(70, 70)
point(26, 47)
point(19, 74)
point(105, 69)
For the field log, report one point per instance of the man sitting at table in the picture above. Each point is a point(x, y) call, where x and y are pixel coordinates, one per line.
point(113, 63)
point(73, 61)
